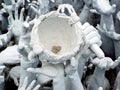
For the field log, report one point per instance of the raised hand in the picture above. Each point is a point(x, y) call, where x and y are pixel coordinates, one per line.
point(71, 11)
point(106, 9)
point(93, 39)
point(16, 24)
point(110, 33)
point(32, 85)
point(104, 63)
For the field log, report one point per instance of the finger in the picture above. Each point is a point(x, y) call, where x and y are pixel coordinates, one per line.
point(105, 27)
point(37, 87)
point(69, 7)
point(16, 13)
point(45, 71)
point(19, 2)
point(100, 28)
point(6, 8)
point(33, 21)
point(27, 18)
point(63, 9)
point(71, 10)
point(92, 35)
point(16, 81)
point(11, 16)
point(25, 82)
point(94, 40)
point(87, 29)
point(73, 62)
point(31, 85)
point(112, 28)
point(95, 61)
point(9, 20)
point(60, 7)
point(21, 14)
point(85, 26)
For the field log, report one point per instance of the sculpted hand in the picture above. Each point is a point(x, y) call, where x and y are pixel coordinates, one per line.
point(70, 9)
point(93, 39)
point(109, 33)
point(29, 87)
point(47, 70)
point(106, 9)
point(104, 63)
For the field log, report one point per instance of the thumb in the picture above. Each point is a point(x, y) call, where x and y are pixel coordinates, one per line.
point(73, 62)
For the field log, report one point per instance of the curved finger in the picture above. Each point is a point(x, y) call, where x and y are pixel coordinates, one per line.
point(58, 10)
point(61, 8)
point(92, 34)
point(69, 7)
point(95, 40)
point(84, 26)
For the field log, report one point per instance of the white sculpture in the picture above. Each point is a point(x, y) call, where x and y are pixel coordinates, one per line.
point(58, 40)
